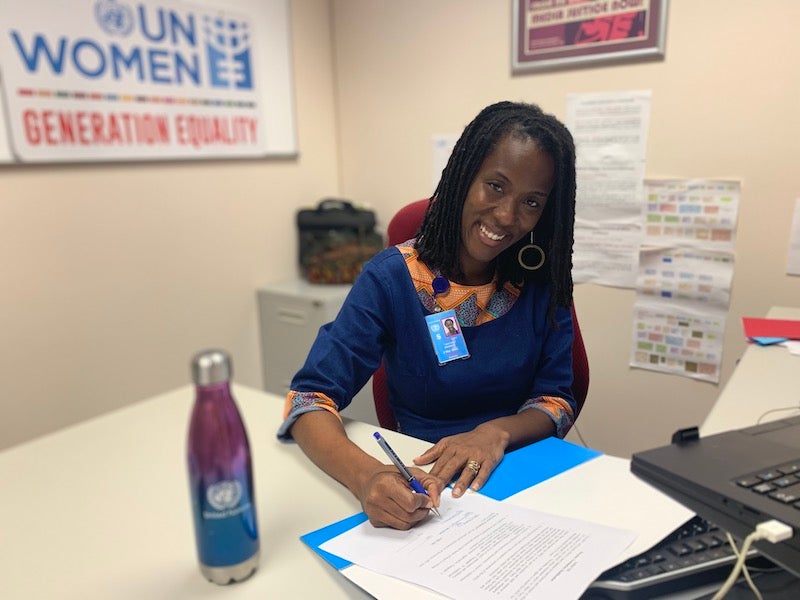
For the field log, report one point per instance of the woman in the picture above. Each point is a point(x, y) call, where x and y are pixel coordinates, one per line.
point(495, 250)
point(450, 327)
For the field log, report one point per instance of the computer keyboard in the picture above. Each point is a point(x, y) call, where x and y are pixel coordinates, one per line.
point(695, 554)
point(781, 483)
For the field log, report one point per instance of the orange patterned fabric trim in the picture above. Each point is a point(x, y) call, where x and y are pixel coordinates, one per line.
point(557, 408)
point(474, 305)
point(297, 402)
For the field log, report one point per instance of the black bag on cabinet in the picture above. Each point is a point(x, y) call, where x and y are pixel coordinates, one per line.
point(336, 239)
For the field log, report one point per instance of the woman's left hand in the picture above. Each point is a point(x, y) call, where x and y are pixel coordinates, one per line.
point(472, 456)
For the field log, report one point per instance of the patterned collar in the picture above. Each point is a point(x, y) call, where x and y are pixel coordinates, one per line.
point(473, 304)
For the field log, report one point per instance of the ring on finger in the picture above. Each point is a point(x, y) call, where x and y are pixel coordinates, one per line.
point(474, 466)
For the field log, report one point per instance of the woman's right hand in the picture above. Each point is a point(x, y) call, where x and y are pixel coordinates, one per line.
point(383, 493)
point(389, 502)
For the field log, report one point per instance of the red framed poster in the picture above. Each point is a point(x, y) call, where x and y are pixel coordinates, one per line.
point(552, 34)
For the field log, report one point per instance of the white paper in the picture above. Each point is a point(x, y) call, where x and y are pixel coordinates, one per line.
point(603, 490)
point(387, 588)
point(700, 213)
point(610, 132)
point(5, 140)
point(793, 262)
point(483, 549)
point(793, 346)
point(691, 277)
point(677, 341)
point(684, 278)
point(442, 149)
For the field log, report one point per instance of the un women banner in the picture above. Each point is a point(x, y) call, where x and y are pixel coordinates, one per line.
point(117, 80)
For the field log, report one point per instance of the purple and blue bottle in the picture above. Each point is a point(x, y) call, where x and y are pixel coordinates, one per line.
point(220, 475)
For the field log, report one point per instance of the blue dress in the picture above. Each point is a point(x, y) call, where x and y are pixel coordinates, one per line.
point(519, 360)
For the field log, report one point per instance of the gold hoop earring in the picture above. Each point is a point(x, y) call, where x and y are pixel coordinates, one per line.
point(525, 248)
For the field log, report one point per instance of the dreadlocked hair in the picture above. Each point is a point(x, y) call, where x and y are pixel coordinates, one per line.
point(439, 238)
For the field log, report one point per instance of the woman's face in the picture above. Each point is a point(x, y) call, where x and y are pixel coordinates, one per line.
point(504, 203)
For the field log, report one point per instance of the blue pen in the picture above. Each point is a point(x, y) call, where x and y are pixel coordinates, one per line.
point(412, 481)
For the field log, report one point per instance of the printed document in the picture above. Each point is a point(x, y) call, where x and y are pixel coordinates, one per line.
point(610, 132)
point(793, 262)
point(685, 274)
point(484, 549)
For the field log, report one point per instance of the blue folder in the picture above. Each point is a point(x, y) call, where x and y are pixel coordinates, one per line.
point(768, 341)
point(519, 470)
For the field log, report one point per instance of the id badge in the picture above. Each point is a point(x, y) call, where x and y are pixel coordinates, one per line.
point(448, 340)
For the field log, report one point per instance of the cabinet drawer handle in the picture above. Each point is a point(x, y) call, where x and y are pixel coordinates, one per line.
point(293, 317)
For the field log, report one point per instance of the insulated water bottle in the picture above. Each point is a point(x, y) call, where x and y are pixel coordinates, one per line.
point(220, 475)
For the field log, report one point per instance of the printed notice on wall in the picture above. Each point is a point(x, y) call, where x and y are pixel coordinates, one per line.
point(793, 262)
point(106, 80)
point(442, 148)
point(5, 148)
point(684, 278)
point(610, 132)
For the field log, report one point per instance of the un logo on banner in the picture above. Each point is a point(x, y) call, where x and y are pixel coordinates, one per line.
point(114, 18)
point(228, 50)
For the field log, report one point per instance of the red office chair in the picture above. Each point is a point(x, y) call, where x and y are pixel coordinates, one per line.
point(404, 226)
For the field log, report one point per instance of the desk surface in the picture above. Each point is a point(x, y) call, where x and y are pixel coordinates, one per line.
point(765, 378)
point(101, 510)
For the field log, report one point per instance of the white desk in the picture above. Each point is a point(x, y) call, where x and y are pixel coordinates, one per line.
point(101, 510)
point(766, 377)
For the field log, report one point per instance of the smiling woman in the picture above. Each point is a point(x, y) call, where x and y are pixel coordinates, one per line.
point(504, 203)
point(476, 342)
point(519, 128)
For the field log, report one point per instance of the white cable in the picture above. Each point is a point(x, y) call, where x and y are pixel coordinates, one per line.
point(580, 437)
point(734, 575)
point(745, 570)
point(771, 530)
point(785, 408)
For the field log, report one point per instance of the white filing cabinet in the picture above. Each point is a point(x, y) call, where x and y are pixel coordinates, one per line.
point(290, 314)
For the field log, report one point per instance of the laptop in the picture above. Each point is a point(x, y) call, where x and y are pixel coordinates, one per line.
point(735, 479)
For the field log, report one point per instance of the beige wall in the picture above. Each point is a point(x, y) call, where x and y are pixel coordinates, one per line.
point(724, 104)
point(113, 275)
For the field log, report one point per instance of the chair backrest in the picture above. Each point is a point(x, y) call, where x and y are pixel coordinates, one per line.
point(403, 226)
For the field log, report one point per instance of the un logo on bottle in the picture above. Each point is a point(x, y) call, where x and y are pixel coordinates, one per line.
point(224, 495)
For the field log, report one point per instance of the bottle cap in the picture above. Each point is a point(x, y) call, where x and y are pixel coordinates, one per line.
point(211, 366)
